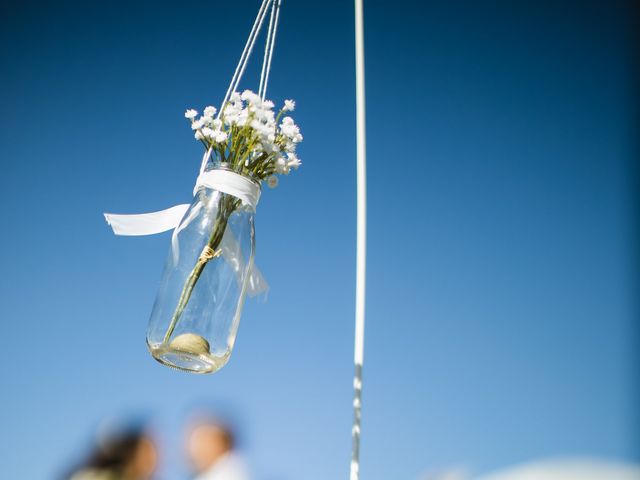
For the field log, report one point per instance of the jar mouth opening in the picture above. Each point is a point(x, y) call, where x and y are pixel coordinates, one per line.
point(226, 166)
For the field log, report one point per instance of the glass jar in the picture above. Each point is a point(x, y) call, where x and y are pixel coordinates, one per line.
point(196, 314)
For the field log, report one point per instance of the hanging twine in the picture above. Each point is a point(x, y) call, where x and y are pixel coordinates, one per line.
point(248, 48)
point(268, 48)
point(244, 60)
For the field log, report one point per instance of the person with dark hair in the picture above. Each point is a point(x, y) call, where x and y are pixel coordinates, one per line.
point(125, 455)
point(212, 452)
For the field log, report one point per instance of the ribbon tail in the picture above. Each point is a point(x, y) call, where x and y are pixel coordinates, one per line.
point(257, 283)
point(146, 223)
point(231, 252)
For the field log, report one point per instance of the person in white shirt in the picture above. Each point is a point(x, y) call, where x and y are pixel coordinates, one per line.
point(212, 454)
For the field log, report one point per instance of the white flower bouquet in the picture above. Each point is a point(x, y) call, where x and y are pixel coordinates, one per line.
point(248, 136)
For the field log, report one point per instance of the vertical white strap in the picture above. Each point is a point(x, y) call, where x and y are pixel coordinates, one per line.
point(361, 235)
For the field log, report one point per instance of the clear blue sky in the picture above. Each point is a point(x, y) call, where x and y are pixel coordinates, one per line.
point(501, 284)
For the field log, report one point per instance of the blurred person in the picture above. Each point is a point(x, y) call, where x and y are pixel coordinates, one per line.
point(212, 453)
point(125, 455)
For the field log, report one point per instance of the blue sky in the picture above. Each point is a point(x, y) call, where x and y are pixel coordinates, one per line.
point(501, 291)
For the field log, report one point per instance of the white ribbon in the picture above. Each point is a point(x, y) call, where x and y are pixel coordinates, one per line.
point(146, 223)
point(224, 181)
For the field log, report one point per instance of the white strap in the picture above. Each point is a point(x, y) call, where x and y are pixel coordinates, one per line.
point(361, 241)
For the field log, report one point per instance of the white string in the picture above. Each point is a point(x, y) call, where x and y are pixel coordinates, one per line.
point(205, 159)
point(361, 242)
point(276, 8)
point(245, 53)
point(244, 60)
point(266, 49)
point(242, 64)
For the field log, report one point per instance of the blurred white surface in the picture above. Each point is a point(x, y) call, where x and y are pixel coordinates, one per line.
point(574, 469)
point(559, 469)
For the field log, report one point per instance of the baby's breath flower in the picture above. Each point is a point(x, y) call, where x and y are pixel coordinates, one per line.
point(251, 97)
point(290, 129)
point(210, 111)
point(289, 146)
point(264, 115)
point(281, 166)
point(269, 148)
point(207, 132)
point(289, 106)
point(293, 161)
point(198, 135)
point(242, 118)
point(190, 114)
point(269, 116)
point(219, 136)
point(230, 115)
point(197, 124)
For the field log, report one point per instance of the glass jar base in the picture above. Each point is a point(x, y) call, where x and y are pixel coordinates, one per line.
point(185, 361)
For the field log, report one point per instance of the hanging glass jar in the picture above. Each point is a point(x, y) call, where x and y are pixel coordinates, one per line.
point(195, 317)
point(209, 271)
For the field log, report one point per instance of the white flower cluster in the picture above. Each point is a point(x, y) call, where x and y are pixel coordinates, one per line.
point(249, 135)
point(207, 127)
